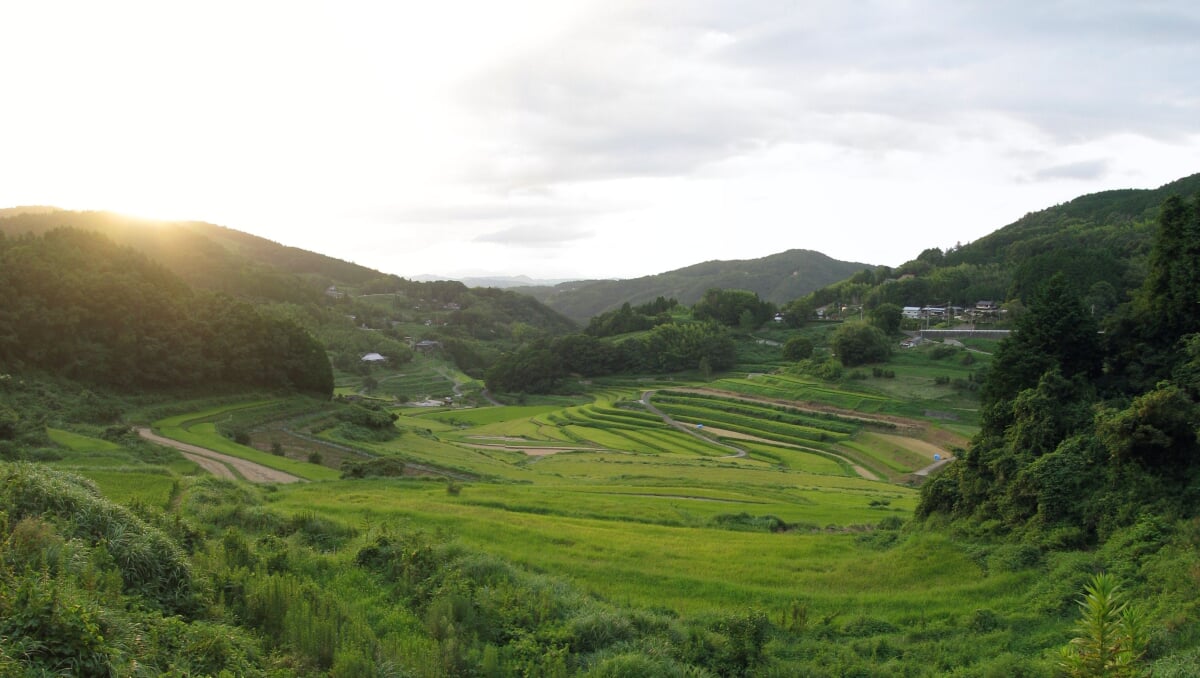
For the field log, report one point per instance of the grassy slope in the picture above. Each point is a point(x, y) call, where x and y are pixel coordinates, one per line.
point(197, 429)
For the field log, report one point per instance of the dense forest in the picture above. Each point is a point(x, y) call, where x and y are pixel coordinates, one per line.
point(636, 339)
point(79, 306)
point(1087, 432)
point(351, 310)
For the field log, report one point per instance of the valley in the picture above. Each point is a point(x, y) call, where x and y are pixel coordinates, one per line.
point(340, 472)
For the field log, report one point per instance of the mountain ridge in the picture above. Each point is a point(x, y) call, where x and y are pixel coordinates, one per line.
point(777, 278)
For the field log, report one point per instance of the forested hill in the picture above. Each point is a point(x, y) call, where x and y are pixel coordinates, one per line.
point(78, 305)
point(1085, 432)
point(207, 256)
point(778, 278)
point(1068, 221)
point(352, 310)
point(1099, 242)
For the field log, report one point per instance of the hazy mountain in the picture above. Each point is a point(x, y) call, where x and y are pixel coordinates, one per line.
point(26, 209)
point(778, 278)
point(500, 281)
point(205, 255)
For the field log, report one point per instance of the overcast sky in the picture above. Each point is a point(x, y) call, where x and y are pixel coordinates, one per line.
point(572, 138)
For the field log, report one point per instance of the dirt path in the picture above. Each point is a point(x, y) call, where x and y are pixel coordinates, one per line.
point(738, 452)
point(219, 464)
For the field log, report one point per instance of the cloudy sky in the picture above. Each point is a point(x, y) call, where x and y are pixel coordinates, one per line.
point(607, 138)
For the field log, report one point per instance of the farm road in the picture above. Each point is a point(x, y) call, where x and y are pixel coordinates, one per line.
point(738, 452)
point(219, 464)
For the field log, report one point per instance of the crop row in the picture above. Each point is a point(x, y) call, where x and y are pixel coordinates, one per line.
point(751, 425)
point(778, 386)
point(789, 415)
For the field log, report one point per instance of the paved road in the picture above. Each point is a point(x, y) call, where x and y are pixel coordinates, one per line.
point(933, 467)
point(219, 464)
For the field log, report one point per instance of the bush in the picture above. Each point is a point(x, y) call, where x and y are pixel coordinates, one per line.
point(150, 564)
point(859, 343)
point(797, 348)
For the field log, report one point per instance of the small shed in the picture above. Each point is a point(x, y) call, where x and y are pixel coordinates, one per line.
point(373, 358)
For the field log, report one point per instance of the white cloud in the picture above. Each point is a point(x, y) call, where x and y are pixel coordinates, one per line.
point(596, 138)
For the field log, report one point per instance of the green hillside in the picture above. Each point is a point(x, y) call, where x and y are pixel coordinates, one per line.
point(1100, 242)
point(208, 256)
point(778, 278)
point(80, 306)
point(351, 309)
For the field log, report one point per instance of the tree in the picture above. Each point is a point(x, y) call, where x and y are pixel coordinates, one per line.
point(797, 348)
point(858, 343)
point(887, 317)
point(1056, 333)
point(727, 307)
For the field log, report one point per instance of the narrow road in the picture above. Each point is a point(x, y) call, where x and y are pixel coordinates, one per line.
point(219, 464)
point(933, 467)
point(738, 452)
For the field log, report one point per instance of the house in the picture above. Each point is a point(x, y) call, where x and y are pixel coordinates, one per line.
point(778, 317)
point(911, 312)
point(426, 345)
point(373, 358)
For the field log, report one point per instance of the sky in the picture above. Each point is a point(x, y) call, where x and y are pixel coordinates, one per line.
point(594, 139)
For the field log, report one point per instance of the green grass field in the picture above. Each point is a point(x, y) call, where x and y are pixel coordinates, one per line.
point(600, 492)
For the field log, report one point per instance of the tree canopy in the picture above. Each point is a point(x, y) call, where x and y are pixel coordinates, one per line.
point(1081, 437)
point(77, 305)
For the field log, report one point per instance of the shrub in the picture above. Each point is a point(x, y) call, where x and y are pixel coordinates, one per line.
point(797, 348)
point(150, 563)
point(61, 634)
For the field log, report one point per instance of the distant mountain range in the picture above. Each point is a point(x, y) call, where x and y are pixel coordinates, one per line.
point(500, 281)
point(778, 278)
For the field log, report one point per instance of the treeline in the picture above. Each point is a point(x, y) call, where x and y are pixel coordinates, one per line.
point(631, 318)
point(777, 278)
point(77, 305)
point(543, 366)
point(1086, 432)
point(1100, 242)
